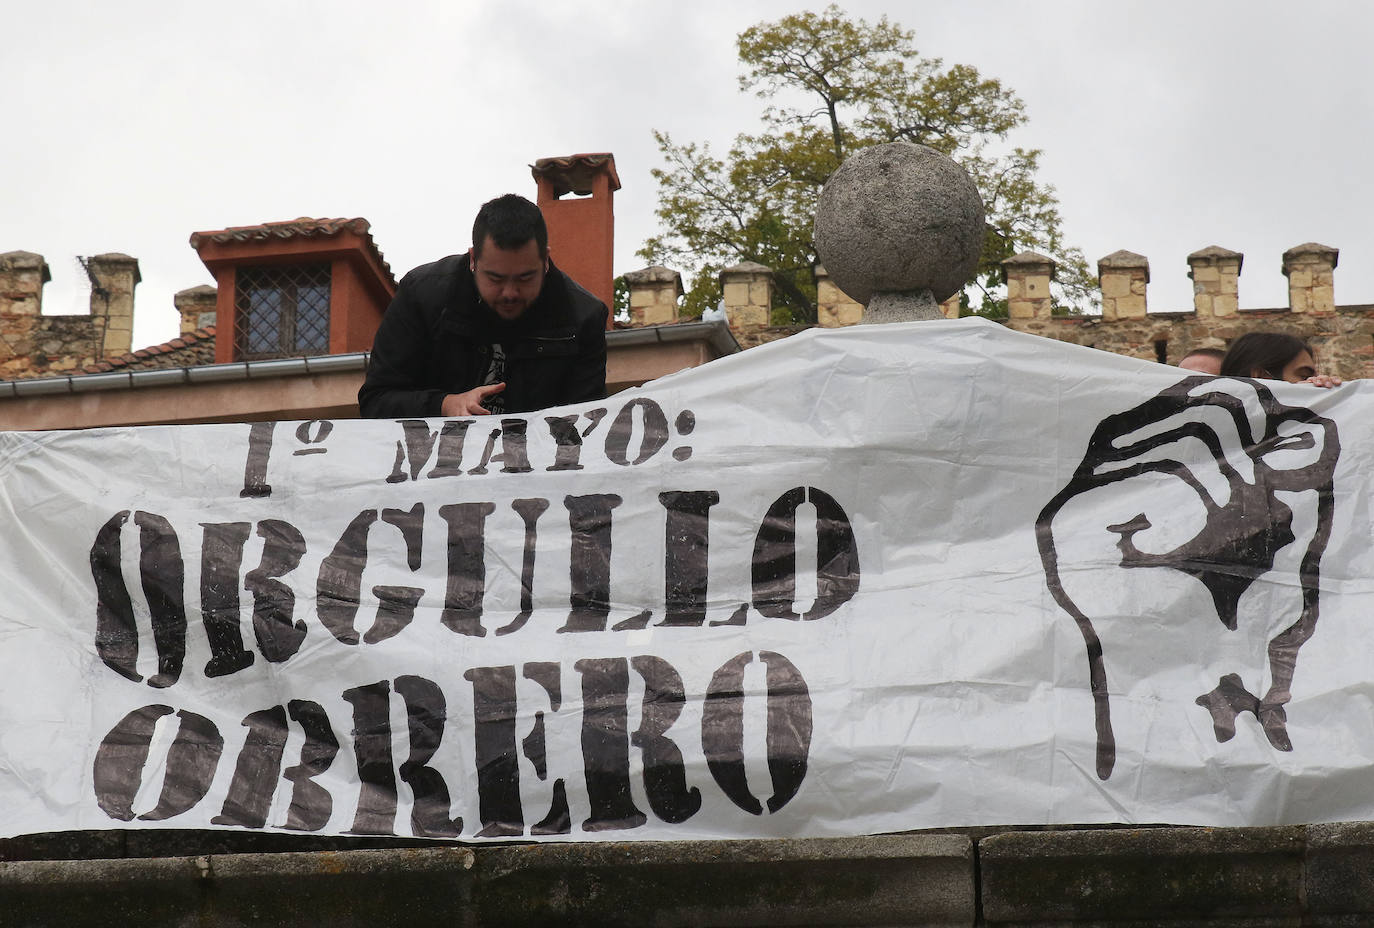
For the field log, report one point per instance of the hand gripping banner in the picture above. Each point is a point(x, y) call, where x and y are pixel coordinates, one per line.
point(859, 581)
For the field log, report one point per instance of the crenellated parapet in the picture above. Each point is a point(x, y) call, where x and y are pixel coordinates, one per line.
point(1342, 336)
point(35, 345)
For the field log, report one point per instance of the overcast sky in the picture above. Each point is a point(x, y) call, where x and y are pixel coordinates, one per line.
point(1166, 126)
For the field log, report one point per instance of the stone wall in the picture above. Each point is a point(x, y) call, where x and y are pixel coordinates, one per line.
point(35, 345)
point(1342, 337)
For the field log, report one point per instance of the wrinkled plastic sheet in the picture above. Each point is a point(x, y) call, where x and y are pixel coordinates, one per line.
point(885, 578)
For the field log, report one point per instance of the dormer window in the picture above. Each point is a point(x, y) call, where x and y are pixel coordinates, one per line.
point(281, 311)
point(302, 288)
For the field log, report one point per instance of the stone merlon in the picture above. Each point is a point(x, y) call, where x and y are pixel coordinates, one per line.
point(25, 261)
point(1124, 261)
point(1322, 253)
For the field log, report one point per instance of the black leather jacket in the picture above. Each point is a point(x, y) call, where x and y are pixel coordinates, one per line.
point(436, 339)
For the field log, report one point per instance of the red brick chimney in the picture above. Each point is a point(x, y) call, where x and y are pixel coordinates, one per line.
point(581, 228)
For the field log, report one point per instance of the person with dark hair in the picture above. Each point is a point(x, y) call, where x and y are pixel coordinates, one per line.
point(497, 330)
point(1274, 356)
point(1203, 360)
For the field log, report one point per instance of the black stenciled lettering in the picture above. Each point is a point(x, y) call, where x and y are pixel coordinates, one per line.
point(122, 757)
point(413, 449)
point(255, 483)
point(274, 602)
point(164, 581)
point(163, 578)
point(312, 434)
point(589, 518)
point(686, 542)
point(559, 820)
point(396, 604)
point(665, 776)
point(339, 589)
point(417, 444)
point(775, 557)
point(514, 457)
point(376, 813)
point(529, 511)
point(116, 635)
point(426, 713)
point(606, 744)
point(655, 433)
point(498, 768)
point(788, 730)
point(563, 430)
point(257, 770)
point(467, 567)
point(221, 559)
point(311, 804)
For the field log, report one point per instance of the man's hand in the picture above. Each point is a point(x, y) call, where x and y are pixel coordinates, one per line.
point(1323, 380)
point(470, 403)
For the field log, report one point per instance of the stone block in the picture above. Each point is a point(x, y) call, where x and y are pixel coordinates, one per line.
point(761, 291)
point(1299, 279)
point(847, 314)
point(1205, 273)
point(1157, 876)
point(1115, 285)
point(1340, 869)
point(736, 293)
point(642, 296)
point(1224, 304)
point(660, 314)
point(747, 315)
point(1131, 307)
point(892, 880)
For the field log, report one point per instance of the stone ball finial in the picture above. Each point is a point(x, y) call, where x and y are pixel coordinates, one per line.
point(900, 224)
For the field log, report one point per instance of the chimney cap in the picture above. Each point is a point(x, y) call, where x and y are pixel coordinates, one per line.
point(575, 173)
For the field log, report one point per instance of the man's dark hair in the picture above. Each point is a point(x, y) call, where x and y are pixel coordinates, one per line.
point(510, 221)
point(1265, 351)
point(1204, 353)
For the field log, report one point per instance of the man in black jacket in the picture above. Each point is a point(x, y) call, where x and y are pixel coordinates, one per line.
point(498, 330)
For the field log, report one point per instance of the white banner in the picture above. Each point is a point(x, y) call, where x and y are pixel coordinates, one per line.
point(860, 581)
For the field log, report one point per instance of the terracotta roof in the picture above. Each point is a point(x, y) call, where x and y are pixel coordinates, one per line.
point(305, 227)
point(193, 349)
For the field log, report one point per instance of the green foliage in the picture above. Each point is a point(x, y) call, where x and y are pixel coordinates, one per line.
point(834, 85)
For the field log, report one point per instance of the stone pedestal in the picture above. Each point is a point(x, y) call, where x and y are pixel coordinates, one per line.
point(113, 278)
point(1216, 281)
point(834, 307)
point(748, 290)
point(22, 276)
point(197, 307)
point(1311, 285)
point(654, 293)
point(1028, 277)
point(1123, 276)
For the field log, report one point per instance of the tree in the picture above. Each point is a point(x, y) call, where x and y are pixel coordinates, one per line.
point(835, 85)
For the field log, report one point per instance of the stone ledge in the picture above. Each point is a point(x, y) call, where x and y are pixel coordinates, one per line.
point(1159, 876)
point(907, 880)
